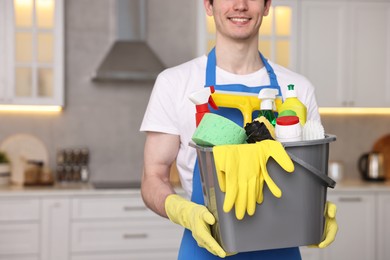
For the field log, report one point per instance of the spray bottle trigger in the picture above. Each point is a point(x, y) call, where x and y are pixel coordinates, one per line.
point(211, 100)
point(212, 103)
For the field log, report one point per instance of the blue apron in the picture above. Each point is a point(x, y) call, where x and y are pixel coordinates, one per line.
point(189, 250)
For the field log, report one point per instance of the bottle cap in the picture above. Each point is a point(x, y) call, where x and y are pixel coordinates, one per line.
point(291, 91)
point(287, 120)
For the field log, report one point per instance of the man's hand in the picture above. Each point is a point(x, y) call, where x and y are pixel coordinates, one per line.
point(331, 226)
point(196, 218)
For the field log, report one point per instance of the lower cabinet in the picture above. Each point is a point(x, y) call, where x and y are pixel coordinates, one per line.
point(55, 228)
point(383, 226)
point(118, 226)
point(363, 220)
point(356, 217)
point(19, 228)
point(163, 255)
point(84, 227)
point(123, 225)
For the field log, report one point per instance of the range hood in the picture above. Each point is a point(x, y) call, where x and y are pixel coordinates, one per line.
point(129, 58)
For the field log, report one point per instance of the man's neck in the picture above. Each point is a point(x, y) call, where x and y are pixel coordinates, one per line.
point(238, 58)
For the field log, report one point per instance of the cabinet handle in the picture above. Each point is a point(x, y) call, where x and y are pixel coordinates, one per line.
point(132, 236)
point(130, 208)
point(352, 199)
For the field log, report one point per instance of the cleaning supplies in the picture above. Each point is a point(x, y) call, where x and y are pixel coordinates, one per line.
point(288, 129)
point(260, 129)
point(313, 130)
point(245, 104)
point(294, 104)
point(267, 96)
point(202, 99)
point(242, 172)
point(218, 130)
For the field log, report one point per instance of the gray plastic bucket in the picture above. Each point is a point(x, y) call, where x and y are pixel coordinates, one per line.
point(295, 219)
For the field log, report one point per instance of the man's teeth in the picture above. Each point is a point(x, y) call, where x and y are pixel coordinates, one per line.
point(239, 19)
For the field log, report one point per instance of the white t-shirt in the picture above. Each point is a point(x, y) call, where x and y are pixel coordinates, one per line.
point(170, 110)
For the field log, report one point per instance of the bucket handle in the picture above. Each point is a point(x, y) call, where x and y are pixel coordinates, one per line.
point(331, 183)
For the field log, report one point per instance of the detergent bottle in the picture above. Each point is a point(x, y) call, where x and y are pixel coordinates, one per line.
point(202, 99)
point(267, 96)
point(294, 104)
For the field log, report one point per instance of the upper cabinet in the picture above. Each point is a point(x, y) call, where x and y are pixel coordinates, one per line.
point(345, 51)
point(341, 46)
point(32, 52)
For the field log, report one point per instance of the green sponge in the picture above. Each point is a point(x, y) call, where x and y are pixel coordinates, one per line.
point(217, 130)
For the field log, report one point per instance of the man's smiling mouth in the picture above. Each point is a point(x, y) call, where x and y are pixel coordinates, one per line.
point(239, 19)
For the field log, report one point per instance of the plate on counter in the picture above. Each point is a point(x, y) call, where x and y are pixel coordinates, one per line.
point(20, 148)
point(382, 145)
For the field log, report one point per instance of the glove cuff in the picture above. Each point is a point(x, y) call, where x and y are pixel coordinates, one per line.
point(173, 205)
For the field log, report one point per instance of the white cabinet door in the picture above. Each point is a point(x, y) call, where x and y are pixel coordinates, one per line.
point(120, 227)
point(55, 229)
point(369, 54)
point(346, 57)
point(356, 220)
point(160, 255)
point(323, 28)
point(19, 228)
point(32, 52)
point(383, 227)
point(19, 238)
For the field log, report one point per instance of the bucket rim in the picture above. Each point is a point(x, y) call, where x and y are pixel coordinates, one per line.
point(328, 139)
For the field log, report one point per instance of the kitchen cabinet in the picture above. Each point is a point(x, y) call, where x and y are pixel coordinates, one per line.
point(103, 226)
point(83, 224)
point(345, 56)
point(19, 228)
point(356, 218)
point(383, 226)
point(32, 52)
point(55, 228)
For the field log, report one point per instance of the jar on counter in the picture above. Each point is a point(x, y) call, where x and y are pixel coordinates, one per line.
point(32, 173)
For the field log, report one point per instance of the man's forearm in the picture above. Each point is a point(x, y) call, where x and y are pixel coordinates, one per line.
point(154, 191)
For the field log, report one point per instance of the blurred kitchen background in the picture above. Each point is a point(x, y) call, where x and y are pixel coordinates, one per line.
point(53, 58)
point(105, 116)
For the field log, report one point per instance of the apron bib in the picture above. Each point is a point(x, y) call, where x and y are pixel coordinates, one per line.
point(189, 248)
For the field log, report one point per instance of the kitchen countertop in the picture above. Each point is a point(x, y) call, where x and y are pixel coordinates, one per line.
point(360, 185)
point(357, 185)
point(62, 189)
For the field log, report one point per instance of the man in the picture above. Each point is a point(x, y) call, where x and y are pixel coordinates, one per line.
point(235, 66)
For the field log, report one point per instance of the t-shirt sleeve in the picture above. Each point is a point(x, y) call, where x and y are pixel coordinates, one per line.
point(160, 114)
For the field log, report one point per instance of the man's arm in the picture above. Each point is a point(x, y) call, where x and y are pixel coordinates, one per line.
point(159, 153)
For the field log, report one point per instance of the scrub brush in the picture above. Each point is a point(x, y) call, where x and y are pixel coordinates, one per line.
point(313, 130)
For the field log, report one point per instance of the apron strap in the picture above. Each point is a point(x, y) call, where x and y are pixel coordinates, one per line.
point(211, 74)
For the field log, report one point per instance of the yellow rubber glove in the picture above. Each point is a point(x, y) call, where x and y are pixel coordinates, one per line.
point(331, 227)
point(274, 149)
point(197, 218)
point(238, 172)
point(242, 171)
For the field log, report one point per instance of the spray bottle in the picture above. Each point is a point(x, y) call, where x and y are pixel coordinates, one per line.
point(202, 99)
point(267, 96)
point(294, 104)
